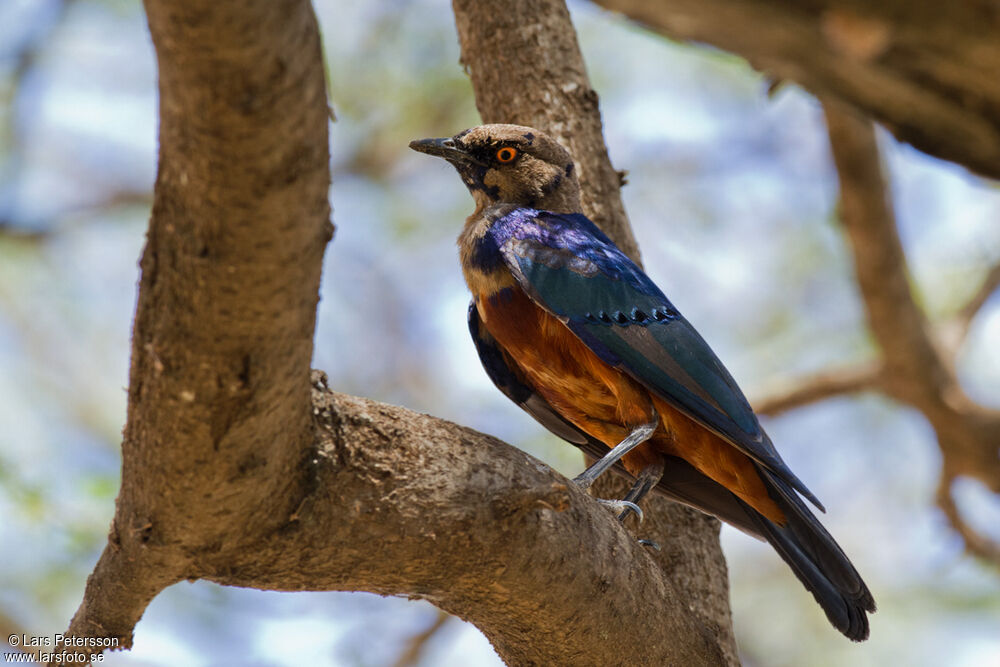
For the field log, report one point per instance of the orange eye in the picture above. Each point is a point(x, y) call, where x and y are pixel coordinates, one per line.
point(506, 154)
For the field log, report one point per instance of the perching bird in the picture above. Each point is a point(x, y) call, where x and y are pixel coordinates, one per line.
point(573, 331)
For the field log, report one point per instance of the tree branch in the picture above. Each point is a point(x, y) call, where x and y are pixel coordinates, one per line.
point(976, 543)
point(898, 324)
point(819, 387)
point(481, 530)
point(410, 657)
point(989, 285)
point(406, 504)
point(915, 370)
point(926, 70)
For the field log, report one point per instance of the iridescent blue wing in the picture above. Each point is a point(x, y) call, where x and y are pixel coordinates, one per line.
point(570, 268)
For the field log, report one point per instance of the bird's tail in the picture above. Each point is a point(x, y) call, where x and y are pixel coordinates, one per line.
point(801, 540)
point(816, 559)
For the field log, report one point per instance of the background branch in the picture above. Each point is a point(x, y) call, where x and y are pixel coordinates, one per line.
point(819, 387)
point(411, 655)
point(916, 371)
point(989, 285)
point(925, 70)
point(976, 543)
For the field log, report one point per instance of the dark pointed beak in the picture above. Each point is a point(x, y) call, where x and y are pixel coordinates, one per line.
point(447, 148)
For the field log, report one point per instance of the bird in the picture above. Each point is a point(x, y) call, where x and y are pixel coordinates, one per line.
point(573, 331)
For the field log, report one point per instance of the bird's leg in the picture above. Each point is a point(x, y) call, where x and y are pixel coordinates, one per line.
point(648, 478)
point(639, 435)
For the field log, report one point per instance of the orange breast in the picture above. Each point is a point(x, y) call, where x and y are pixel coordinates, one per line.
point(600, 400)
point(605, 402)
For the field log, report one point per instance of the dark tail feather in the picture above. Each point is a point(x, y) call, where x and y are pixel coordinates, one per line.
point(817, 560)
point(802, 542)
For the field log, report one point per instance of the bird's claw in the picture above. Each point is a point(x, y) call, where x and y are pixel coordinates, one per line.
point(623, 506)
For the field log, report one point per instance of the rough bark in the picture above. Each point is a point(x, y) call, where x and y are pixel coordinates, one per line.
point(234, 472)
point(926, 70)
point(408, 504)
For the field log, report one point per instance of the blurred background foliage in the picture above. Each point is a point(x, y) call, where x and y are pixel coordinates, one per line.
point(732, 196)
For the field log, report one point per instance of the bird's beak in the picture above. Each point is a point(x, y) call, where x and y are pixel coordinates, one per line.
point(447, 148)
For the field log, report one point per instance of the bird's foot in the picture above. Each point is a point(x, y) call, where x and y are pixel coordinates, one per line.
point(622, 506)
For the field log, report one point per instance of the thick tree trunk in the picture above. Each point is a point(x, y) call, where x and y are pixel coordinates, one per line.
point(219, 419)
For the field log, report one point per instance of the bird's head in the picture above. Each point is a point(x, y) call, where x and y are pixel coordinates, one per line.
point(510, 164)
